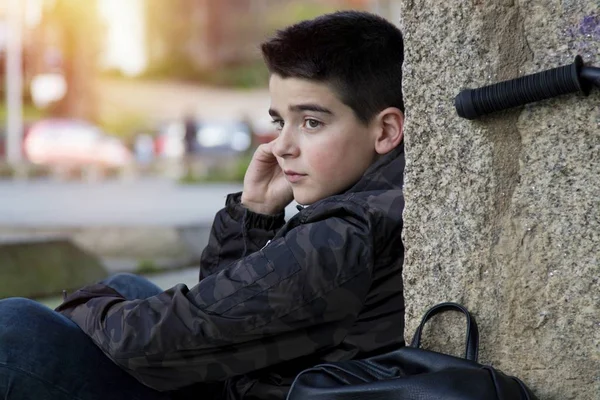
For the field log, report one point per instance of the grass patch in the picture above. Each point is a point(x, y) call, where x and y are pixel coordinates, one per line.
point(30, 112)
point(233, 172)
point(124, 125)
point(246, 76)
point(6, 171)
point(28, 170)
point(146, 267)
point(240, 76)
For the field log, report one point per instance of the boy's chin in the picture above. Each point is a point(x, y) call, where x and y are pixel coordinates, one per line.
point(306, 197)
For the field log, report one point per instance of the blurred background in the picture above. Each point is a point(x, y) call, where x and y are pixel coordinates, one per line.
point(123, 125)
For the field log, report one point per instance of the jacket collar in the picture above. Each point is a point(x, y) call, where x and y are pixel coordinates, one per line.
point(387, 173)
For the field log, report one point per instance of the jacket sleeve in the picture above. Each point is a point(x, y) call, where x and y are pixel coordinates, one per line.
point(235, 233)
point(298, 295)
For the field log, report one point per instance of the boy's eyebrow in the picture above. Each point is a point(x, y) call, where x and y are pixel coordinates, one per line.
point(302, 107)
point(310, 107)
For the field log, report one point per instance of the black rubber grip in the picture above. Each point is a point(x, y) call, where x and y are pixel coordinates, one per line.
point(473, 103)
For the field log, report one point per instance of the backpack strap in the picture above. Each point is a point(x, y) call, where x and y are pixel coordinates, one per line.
point(472, 342)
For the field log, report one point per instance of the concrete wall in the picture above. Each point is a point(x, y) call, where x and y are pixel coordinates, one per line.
point(42, 265)
point(130, 248)
point(503, 214)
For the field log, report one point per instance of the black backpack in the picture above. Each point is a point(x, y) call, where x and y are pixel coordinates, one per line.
point(412, 373)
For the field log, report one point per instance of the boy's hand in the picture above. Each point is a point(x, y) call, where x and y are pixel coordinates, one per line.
point(266, 191)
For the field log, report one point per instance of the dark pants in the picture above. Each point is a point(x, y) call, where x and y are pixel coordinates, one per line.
point(45, 356)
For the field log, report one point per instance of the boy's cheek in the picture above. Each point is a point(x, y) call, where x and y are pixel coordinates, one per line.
point(322, 163)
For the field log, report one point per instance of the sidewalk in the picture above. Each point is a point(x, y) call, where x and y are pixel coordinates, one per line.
point(150, 221)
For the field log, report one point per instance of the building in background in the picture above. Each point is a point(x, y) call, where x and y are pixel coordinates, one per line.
point(208, 34)
point(389, 9)
point(183, 37)
point(73, 40)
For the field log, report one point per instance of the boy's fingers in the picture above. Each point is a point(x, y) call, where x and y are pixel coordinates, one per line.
point(266, 151)
point(268, 147)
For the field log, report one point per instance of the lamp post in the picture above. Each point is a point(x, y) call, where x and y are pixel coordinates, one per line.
point(14, 82)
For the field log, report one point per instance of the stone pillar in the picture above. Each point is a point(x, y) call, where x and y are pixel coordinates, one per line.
point(503, 213)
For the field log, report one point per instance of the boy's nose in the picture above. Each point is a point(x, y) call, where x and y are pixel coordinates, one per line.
point(284, 145)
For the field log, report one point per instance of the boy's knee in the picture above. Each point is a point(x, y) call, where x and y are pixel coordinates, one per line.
point(17, 312)
point(132, 286)
point(122, 278)
point(19, 306)
point(26, 325)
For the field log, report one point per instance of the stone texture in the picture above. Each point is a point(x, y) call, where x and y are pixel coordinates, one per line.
point(503, 213)
point(32, 266)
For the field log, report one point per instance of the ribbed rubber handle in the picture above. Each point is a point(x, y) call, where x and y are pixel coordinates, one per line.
point(473, 103)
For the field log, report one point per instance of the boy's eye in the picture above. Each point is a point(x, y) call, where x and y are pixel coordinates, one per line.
point(312, 123)
point(278, 124)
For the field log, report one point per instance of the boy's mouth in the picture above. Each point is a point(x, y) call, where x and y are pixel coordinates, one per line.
point(293, 176)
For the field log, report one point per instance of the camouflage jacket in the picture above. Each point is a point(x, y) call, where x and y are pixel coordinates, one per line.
point(273, 297)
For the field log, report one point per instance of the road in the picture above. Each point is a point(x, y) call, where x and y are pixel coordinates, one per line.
point(111, 203)
point(143, 202)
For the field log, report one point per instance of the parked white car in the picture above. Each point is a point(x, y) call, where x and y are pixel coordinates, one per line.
point(73, 143)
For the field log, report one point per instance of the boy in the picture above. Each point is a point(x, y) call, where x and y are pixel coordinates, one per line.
point(274, 297)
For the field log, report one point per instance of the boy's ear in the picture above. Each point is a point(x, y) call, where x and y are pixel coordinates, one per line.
point(390, 126)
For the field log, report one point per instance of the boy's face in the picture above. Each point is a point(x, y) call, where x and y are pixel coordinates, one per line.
point(322, 147)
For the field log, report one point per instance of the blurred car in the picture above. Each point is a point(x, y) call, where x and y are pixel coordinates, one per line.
point(73, 143)
point(212, 138)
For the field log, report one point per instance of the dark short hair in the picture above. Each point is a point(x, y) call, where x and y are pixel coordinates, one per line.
point(358, 54)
